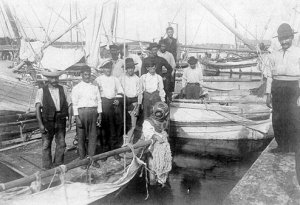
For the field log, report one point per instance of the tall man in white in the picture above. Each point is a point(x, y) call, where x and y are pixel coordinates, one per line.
point(87, 108)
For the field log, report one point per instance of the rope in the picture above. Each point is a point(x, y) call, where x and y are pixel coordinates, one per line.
point(52, 178)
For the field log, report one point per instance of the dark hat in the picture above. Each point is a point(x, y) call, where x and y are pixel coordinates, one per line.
point(113, 47)
point(284, 31)
point(83, 67)
point(129, 63)
point(170, 28)
point(153, 45)
point(148, 63)
point(107, 64)
point(192, 60)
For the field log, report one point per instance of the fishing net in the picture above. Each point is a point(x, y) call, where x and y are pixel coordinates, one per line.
point(78, 186)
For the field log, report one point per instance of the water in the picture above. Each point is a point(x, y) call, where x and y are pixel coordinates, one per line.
point(193, 180)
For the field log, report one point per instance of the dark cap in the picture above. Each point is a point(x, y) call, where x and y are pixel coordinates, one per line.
point(285, 31)
point(192, 60)
point(129, 63)
point(153, 45)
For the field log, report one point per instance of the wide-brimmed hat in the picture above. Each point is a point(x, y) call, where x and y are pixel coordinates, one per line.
point(107, 64)
point(192, 60)
point(284, 31)
point(129, 63)
point(53, 73)
point(153, 45)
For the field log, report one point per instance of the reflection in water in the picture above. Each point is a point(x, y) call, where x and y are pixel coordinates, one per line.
point(193, 180)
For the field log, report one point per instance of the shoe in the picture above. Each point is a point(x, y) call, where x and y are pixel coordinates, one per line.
point(96, 164)
point(117, 157)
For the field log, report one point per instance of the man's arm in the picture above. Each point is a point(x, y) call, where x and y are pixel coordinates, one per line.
point(161, 90)
point(38, 108)
point(167, 66)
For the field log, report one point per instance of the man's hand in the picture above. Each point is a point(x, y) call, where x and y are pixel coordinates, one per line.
point(69, 124)
point(269, 101)
point(99, 120)
point(78, 121)
point(116, 102)
point(43, 130)
point(298, 101)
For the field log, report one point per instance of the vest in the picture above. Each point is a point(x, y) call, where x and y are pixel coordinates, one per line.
point(49, 109)
point(172, 47)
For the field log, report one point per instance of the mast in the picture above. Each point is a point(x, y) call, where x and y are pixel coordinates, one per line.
point(227, 25)
point(235, 39)
point(12, 21)
point(71, 21)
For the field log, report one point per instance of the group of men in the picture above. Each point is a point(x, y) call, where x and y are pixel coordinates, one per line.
point(98, 105)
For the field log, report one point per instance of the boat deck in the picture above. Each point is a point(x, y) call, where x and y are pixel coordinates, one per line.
point(271, 180)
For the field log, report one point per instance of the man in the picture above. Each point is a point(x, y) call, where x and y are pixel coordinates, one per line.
point(163, 68)
point(133, 91)
point(52, 108)
point(87, 109)
point(118, 64)
point(172, 44)
point(283, 90)
point(137, 60)
point(166, 55)
point(110, 87)
point(160, 159)
point(192, 79)
point(152, 88)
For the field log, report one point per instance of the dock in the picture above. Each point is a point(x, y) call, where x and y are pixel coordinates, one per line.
point(270, 180)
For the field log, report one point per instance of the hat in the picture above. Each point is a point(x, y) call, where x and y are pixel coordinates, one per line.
point(160, 111)
point(53, 73)
point(284, 30)
point(192, 60)
point(113, 47)
point(107, 64)
point(129, 63)
point(153, 45)
point(148, 63)
point(82, 67)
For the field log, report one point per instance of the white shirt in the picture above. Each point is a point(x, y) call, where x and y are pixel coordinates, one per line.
point(169, 58)
point(131, 86)
point(151, 83)
point(138, 60)
point(86, 95)
point(109, 86)
point(118, 68)
point(192, 76)
point(284, 66)
point(54, 92)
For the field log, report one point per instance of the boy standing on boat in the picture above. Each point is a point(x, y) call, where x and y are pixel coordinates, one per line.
point(192, 79)
point(52, 108)
point(133, 91)
point(110, 87)
point(87, 109)
point(160, 159)
point(152, 88)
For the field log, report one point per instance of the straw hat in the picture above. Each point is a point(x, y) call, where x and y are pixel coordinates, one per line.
point(53, 73)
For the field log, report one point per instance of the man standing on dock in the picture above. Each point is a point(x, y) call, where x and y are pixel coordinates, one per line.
point(87, 109)
point(283, 90)
point(52, 107)
point(192, 79)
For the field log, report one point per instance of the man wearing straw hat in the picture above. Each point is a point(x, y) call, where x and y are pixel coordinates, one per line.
point(283, 91)
point(87, 109)
point(52, 109)
point(110, 88)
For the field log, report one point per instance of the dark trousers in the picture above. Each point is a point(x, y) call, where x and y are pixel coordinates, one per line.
point(192, 91)
point(149, 99)
point(111, 124)
point(57, 128)
point(286, 115)
point(87, 131)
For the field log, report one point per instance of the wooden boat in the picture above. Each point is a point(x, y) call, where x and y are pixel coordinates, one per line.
point(219, 129)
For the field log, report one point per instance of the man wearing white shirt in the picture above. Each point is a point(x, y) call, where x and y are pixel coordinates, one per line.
point(192, 79)
point(110, 87)
point(87, 108)
point(152, 87)
point(133, 92)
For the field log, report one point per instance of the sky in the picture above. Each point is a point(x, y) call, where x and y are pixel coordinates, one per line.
point(147, 19)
